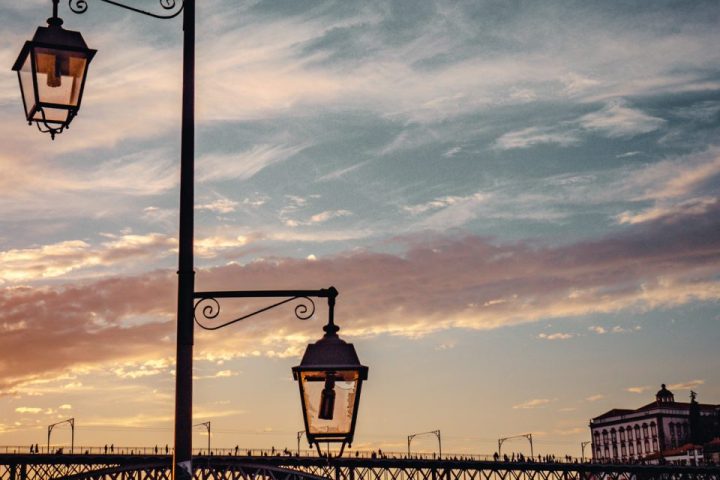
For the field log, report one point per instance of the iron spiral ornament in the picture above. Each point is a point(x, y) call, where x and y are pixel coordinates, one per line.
point(208, 309)
point(171, 6)
point(78, 6)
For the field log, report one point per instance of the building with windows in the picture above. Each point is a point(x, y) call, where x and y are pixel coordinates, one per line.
point(624, 435)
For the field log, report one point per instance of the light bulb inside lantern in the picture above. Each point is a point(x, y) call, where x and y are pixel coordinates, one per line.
point(327, 399)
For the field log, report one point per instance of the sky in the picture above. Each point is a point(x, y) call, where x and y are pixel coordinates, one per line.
point(517, 201)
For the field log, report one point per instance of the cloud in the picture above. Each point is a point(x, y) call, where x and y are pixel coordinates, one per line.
point(60, 259)
point(243, 165)
point(686, 385)
point(534, 403)
point(595, 398)
point(131, 318)
point(694, 206)
point(319, 218)
point(529, 137)
point(617, 120)
point(221, 205)
point(32, 410)
point(685, 179)
point(444, 202)
point(556, 336)
point(615, 329)
point(642, 389)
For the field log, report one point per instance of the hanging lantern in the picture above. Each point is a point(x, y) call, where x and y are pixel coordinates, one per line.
point(330, 378)
point(52, 68)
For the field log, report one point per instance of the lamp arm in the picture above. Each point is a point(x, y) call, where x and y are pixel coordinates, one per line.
point(207, 306)
point(211, 309)
point(81, 6)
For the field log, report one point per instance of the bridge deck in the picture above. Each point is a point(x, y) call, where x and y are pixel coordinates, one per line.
point(85, 466)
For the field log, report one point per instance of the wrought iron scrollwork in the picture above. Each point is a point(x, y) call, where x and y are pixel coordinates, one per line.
point(208, 308)
point(81, 6)
point(78, 6)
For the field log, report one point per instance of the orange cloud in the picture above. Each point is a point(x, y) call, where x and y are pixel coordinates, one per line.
point(438, 283)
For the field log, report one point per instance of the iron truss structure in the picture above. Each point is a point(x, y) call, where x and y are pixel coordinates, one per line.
point(158, 467)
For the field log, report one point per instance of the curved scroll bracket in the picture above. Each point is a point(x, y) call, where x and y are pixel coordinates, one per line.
point(207, 304)
point(172, 7)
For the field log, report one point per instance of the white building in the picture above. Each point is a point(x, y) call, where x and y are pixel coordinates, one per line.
point(622, 435)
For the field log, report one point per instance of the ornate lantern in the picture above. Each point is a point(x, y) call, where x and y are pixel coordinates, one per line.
point(330, 378)
point(52, 68)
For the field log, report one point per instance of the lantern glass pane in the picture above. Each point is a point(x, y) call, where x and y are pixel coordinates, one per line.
point(52, 115)
point(59, 75)
point(344, 384)
point(26, 84)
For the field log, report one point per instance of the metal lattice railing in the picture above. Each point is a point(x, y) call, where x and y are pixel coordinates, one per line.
point(106, 467)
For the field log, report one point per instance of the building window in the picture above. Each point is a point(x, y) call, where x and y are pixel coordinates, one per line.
point(629, 433)
point(622, 434)
point(624, 451)
point(605, 437)
point(615, 453)
point(673, 438)
point(655, 445)
point(645, 430)
point(639, 448)
point(632, 449)
point(647, 445)
point(613, 436)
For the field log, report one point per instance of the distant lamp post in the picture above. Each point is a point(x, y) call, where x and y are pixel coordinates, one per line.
point(432, 432)
point(71, 421)
point(330, 378)
point(207, 426)
point(299, 436)
point(582, 449)
point(524, 435)
point(52, 68)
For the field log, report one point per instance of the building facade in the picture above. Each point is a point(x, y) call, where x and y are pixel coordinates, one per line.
point(624, 435)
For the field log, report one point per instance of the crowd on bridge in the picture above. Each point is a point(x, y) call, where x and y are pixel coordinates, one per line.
point(111, 449)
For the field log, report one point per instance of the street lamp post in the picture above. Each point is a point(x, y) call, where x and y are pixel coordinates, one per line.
point(299, 436)
point(65, 62)
point(432, 432)
point(207, 426)
point(582, 450)
point(524, 435)
point(71, 421)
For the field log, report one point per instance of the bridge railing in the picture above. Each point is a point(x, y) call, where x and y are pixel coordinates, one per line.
point(112, 449)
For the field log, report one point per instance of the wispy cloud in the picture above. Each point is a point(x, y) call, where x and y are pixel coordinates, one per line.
point(59, 259)
point(220, 205)
point(556, 336)
point(686, 385)
point(534, 403)
point(243, 165)
point(319, 218)
point(582, 283)
point(617, 120)
point(529, 137)
point(641, 389)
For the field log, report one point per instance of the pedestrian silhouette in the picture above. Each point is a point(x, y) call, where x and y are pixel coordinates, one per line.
point(112, 448)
